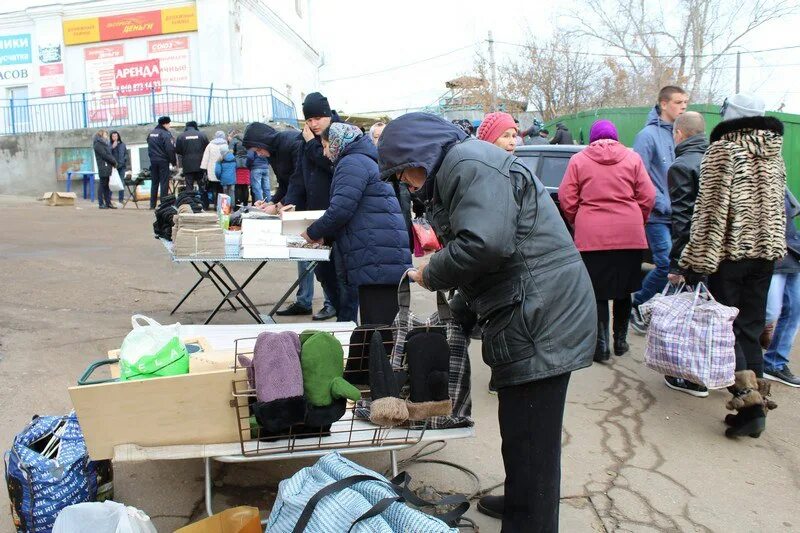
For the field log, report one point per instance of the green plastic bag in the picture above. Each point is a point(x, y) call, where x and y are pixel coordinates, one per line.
point(152, 351)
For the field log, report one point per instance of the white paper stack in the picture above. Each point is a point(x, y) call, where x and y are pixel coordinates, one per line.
point(261, 238)
point(296, 222)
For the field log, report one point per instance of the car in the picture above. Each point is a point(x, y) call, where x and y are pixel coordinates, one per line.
point(549, 163)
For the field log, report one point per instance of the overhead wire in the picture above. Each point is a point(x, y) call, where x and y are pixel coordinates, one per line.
point(665, 56)
point(398, 67)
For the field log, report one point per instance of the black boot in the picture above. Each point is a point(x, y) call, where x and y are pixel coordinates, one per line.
point(601, 350)
point(748, 421)
point(751, 411)
point(621, 346)
point(492, 506)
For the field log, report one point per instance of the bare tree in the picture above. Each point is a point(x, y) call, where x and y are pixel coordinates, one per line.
point(556, 77)
point(681, 42)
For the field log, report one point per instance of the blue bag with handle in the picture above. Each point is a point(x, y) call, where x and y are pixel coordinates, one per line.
point(338, 496)
point(48, 469)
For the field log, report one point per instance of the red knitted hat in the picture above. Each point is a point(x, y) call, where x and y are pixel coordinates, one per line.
point(493, 126)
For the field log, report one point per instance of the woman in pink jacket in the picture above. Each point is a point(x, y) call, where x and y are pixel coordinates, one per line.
point(606, 195)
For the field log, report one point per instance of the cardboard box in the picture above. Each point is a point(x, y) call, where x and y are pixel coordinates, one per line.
point(173, 410)
point(265, 252)
point(56, 199)
point(296, 222)
point(312, 254)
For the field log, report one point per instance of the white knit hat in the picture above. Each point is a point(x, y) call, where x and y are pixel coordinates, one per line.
point(742, 105)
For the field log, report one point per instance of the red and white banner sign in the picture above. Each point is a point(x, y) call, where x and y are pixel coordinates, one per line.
point(174, 57)
point(104, 105)
point(137, 77)
point(53, 69)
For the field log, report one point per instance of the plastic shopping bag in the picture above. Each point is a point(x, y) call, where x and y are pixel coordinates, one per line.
point(241, 519)
point(152, 350)
point(691, 337)
point(424, 236)
point(105, 517)
point(47, 469)
point(115, 182)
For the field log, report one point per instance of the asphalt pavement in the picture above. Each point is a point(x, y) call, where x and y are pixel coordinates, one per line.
point(637, 456)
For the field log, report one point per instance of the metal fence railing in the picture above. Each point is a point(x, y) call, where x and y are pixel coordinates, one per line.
point(104, 109)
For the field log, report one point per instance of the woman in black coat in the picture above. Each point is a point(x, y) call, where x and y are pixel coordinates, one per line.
point(105, 163)
point(120, 153)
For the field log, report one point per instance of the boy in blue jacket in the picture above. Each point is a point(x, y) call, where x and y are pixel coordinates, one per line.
point(655, 145)
point(225, 171)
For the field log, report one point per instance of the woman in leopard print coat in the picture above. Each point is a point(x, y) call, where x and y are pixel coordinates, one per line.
point(737, 233)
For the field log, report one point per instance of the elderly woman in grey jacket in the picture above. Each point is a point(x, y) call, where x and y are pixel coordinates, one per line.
point(512, 259)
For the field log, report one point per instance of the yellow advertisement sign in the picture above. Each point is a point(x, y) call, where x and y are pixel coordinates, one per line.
point(178, 19)
point(130, 25)
point(82, 31)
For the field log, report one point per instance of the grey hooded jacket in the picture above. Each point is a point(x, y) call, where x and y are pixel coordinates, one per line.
point(506, 249)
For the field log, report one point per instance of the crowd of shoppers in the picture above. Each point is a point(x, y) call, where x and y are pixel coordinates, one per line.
point(715, 211)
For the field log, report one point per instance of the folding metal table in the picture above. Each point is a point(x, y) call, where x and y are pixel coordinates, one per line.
point(214, 270)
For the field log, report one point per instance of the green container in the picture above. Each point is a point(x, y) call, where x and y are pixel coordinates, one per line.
point(171, 360)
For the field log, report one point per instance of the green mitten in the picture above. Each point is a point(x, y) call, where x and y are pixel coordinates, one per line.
point(322, 361)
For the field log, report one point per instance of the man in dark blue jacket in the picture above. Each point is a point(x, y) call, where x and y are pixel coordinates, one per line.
point(161, 151)
point(655, 145)
point(283, 149)
point(311, 190)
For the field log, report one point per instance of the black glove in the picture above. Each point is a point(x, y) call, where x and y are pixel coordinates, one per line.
point(357, 369)
point(386, 409)
point(693, 278)
point(462, 314)
point(428, 357)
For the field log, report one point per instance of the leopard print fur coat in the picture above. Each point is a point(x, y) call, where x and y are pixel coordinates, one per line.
point(739, 212)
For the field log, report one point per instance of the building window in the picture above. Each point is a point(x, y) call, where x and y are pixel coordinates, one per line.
point(298, 6)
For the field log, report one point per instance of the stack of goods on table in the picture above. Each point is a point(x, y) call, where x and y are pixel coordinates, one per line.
point(197, 235)
point(261, 237)
point(273, 237)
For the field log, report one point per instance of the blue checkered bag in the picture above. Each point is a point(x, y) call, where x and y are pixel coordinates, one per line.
point(338, 496)
point(41, 484)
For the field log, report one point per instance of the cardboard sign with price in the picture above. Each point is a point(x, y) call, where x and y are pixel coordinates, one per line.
point(138, 77)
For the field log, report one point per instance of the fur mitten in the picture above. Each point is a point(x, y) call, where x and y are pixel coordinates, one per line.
point(428, 357)
point(386, 409)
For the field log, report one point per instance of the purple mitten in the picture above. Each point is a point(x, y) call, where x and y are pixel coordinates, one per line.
point(278, 381)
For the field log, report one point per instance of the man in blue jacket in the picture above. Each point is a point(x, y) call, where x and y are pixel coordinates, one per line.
point(161, 151)
point(311, 189)
point(655, 145)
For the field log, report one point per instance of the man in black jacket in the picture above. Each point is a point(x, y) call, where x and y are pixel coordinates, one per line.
point(161, 151)
point(683, 178)
point(562, 136)
point(311, 190)
point(283, 148)
point(190, 146)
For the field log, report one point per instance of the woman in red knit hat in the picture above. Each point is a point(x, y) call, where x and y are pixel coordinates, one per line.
point(500, 130)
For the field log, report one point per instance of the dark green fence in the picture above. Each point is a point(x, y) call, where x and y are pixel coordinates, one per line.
point(630, 120)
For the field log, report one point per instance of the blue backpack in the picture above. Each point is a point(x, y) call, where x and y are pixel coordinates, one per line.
point(338, 496)
point(46, 473)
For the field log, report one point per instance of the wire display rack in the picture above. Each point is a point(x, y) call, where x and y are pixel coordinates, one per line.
point(352, 430)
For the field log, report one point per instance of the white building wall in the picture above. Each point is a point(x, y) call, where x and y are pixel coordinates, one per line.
point(238, 44)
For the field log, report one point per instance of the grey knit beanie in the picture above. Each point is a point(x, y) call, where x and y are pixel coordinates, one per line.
point(742, 105)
